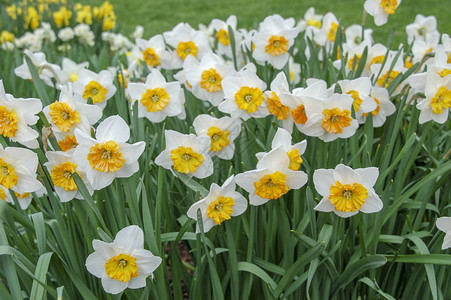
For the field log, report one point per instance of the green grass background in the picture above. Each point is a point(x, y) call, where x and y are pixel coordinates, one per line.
point(161, 15)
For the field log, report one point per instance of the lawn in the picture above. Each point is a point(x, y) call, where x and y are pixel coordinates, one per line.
point(162, 15)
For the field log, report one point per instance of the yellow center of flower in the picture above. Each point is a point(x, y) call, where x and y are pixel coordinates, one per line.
point(335, 120)
point(155, 99)
point(211, 81)
point(249, 98)
point(221, 209)
point(63, 116)
point(444, 72)
point(332, 32)
point(122, 267)
point(391, 76)
point(68, 143)
point(150, 57)
point(441, 100)
point(299, 115)
point(61, 176)
point(271, 186)
point(449, 58)
point(276, 108)
point(377, 59)
point(186, 48)
point(73, 77)
point(408, 62)
point(186, 160)
point(376, 111)
point(389, 6)
point(347, 198)
point(105, 157)
point(315, 23)
point(2, 195)
point(295, 159)
point(8, 177)
point(351, 61)
point(22, 196)
point(277, 45)
point(223, 37)
point(8, 122)
point(357, 100)
point(95, 91)
point(219, 138)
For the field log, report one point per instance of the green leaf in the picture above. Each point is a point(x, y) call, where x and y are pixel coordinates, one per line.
point(354, 270)
point(244, 266)
point(375, 287)
point(37, 290)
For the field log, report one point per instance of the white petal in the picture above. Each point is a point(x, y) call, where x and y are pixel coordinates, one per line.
point(95, 263)
point(130, 238)
point(113, 128)
point(444, 224)
point(323, 180)
point(113, 286)
point(146, 261)
point(324, 205)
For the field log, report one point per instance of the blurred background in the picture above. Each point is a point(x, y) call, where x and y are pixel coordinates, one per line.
point(161, 15)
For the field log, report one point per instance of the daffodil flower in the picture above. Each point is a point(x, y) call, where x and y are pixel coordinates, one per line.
point(38, 60)
point(275, 107)
point(23, 199)
point(384, 107)
point(18, 170)
point(66, 114)
point(423, 28)
point(62, 167)
point(221, 29)
point(222, 133)
point(158, 99)
point(205, 76)
point(359, 89)
point(188, 154)
point(437, 104)
point(70, 70)
point(154, 52)
point(331, 118)
point(108, 155)
point(444, 224)
point(222, 203)
point(273, 40)
point(16, 116)
point(346, 191)
point(381, 9)
point(244, 95)
point(186, 41)
point(282, 139)
point(98, 87)
point(124, 263)
point(272, 178)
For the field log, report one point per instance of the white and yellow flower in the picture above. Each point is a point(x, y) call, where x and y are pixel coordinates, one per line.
point(325, 36)
point(384, 107)
point(18, 170)
point(275, 107)
point(272, 178)
point(331, 118)
point(244, 95)
point(273, 40)
point(296, 102)
point(42, 67)
point(124, 263)
point(186, 41)
point(310, 19)
point(222, 203)
point(158, 99)
point(346, 191)
point(354, 36)
point(205, 76)
point(70, 70)
point(66, 114)
point(437, 104)
point(381, 9)
point(187, 153)
point(108, 156)
point(16, 116)
point(222, 133)
point(444, 224)
point(359, 89)
point(97, 87)
point(154, 52)
point(282, 139)
point(23, 199)
point(62, 167)
point(221, 29)
point(423, 28)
